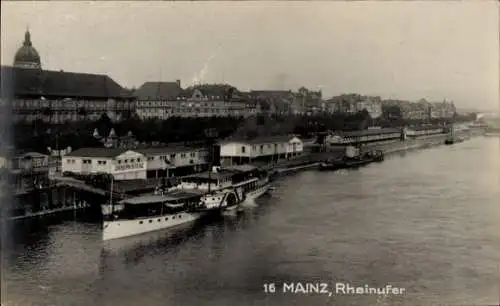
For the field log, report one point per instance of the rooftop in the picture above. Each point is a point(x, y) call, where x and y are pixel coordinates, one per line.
point(261, 140)
point(173, 148)
point(159, 91)
point(97, 152)
point(35, 82)
point(222, 91)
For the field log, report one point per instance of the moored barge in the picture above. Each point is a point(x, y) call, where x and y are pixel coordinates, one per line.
point(352, 159)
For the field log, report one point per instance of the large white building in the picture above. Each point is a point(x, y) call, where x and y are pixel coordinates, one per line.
point(174, 160)
point(123, 164)
point(260, 149)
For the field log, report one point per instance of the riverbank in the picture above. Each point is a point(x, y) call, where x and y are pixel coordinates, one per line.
point(309, 160)
point(386, 147)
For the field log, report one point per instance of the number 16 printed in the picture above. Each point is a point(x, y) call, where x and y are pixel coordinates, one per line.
point(269, 288)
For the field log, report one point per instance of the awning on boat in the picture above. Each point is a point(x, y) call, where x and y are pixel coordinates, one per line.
point(204, 176)
point(241, 168)
point(174, 196)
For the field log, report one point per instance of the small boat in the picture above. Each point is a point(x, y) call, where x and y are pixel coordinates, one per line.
point(352, 159)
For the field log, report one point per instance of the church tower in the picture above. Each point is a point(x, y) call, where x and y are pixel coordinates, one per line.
point(27, 56)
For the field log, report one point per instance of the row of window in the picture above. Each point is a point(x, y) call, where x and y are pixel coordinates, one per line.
point(165, 103)
point(171, 156)
point(193, 98)
point(254, 147)
point(375, 137)
point(192, 115)
point(184, 110)
point(103, 162)
point(132, 160)
point(66, 102)
point(159, 219)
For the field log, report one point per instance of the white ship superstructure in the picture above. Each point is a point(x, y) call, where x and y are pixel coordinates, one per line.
point(237, 184)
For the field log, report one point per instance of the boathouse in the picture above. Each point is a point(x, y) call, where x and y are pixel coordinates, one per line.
point(262, 149)
point(26, 170)
point(364, 136)
point(423, 131)
point(174, 160)
point(123, 164)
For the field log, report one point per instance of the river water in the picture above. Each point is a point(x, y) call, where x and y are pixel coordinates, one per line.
point(426, 221)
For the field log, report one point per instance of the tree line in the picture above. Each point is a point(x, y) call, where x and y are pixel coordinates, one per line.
point(39, 135)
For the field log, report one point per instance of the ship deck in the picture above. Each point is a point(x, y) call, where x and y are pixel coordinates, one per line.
point(176, 195)
point(207, 175)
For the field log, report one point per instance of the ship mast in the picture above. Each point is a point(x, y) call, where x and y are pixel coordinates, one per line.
point(210, 135)
point(209, 166)
point(111, 194)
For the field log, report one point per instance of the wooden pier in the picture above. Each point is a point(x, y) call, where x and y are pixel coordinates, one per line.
point(61, 181)
point(59, 196)
point(48, 212)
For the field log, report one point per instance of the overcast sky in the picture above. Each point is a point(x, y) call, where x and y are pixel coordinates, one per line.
point(408, 50)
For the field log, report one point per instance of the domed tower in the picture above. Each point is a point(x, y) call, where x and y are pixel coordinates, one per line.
point(27, 56)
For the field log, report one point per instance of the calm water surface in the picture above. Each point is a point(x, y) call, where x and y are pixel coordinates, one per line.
point(427, 221)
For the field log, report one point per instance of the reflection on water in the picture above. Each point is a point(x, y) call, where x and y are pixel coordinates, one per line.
point(427, 221)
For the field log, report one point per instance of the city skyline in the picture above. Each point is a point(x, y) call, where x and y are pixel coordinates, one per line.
point(362, 47)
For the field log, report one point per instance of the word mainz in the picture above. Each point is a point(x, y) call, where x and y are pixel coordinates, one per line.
point(327, 289)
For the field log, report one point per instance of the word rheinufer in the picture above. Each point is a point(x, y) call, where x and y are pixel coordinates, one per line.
point(345, 288)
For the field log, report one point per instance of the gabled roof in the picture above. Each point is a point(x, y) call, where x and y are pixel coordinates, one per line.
point(97, 152)
point(222, 91)
point(35, 82)
point(159, 91)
